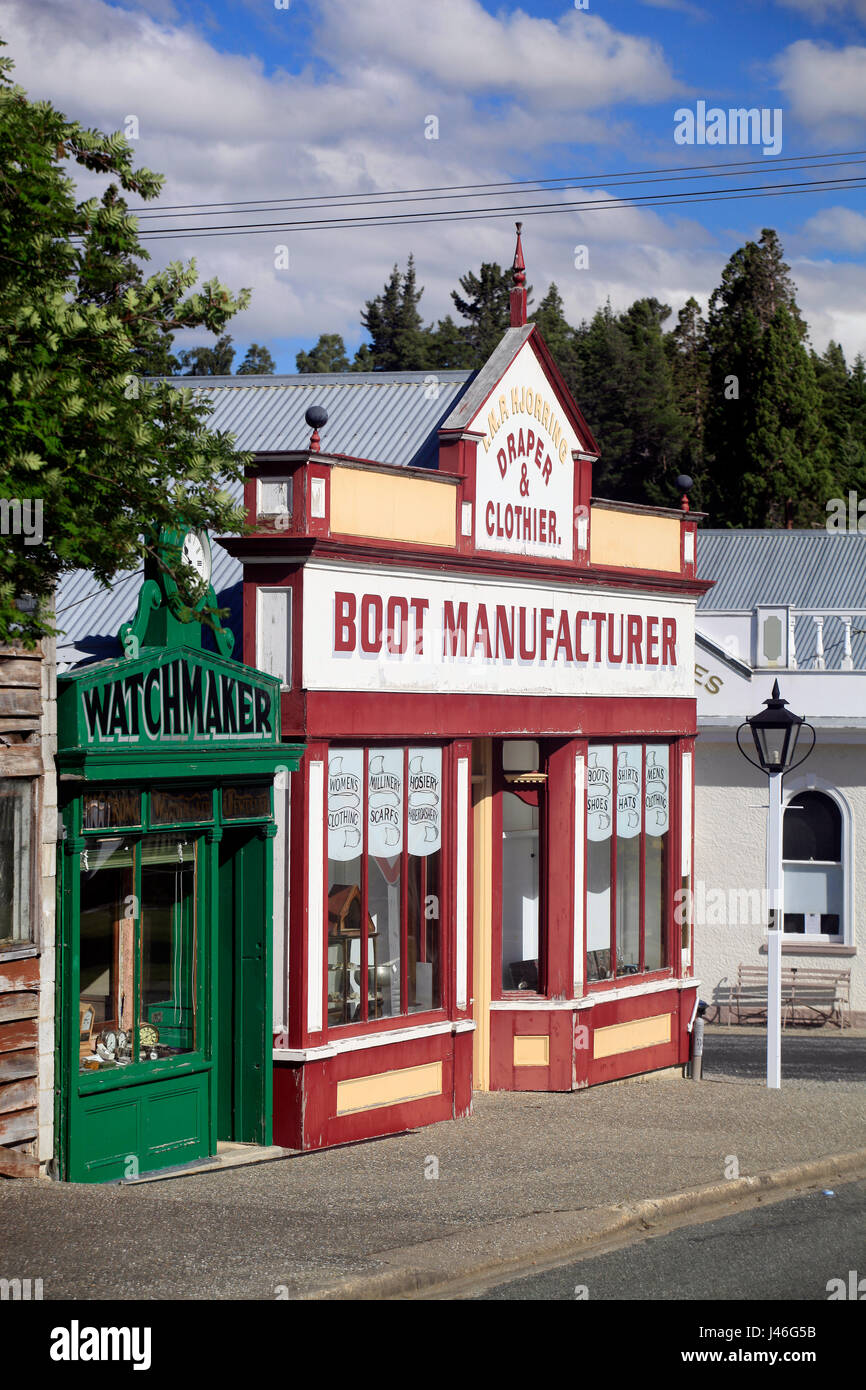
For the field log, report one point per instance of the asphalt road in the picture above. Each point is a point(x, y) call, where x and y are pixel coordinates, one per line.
point(818, 1057)
point(789, 1250)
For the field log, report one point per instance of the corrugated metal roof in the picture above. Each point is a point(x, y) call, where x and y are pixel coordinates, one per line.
point(389, 417)
point(800, 569)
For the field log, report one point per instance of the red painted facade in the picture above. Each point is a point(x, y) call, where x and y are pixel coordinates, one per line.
point(545, 1034)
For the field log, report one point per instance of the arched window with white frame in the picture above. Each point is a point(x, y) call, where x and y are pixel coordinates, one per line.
point(815, 855)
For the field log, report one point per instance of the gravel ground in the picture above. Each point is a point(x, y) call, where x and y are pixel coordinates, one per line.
point(305, 1221)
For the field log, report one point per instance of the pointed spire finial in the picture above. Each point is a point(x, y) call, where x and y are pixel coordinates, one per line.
point(517, 295)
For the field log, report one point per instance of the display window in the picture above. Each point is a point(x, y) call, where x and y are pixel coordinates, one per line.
point(384, 898)
point(138, 950)
point(521, 817)
point(17, 822)
point(628, 849)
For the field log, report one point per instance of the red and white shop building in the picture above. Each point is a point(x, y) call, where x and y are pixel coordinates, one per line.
point(493, 674)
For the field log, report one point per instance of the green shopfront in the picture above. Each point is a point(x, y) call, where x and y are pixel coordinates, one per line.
point(167, 760)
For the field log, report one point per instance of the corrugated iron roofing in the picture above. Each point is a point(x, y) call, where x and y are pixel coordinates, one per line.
point(388, 417)
point(800, 569)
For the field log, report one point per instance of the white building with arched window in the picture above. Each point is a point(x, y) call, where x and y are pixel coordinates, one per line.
point(787, 606)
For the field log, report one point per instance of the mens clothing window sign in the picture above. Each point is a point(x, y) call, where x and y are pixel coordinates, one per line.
point(657, 780)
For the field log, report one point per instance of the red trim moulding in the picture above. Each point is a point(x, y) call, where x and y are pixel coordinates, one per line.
point(390, 714)
point(376, 554)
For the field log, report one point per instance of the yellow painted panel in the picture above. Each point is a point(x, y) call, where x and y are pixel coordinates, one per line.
point(391, 506)
point(628, 1037)
point(389, 1088)
point(531, 1051)
point(634, 540)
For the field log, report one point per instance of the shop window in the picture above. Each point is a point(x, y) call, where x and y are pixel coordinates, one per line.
point(17, 828)
point(628, 822)
point(813, 870)
point(520, 889)
point(137, 953)
point(384, 883)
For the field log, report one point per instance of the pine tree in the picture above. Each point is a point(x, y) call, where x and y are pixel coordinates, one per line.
point(398, 341)
point(557, 333)
point(448, 348)
point(755, 288)
point(788, 468)
point(487, 307)
point(257, 362)
point(687, 350)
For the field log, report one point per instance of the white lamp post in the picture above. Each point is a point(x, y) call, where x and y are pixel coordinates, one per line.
point(775, 732)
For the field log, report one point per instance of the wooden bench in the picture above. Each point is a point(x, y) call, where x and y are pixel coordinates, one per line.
point(806, 990)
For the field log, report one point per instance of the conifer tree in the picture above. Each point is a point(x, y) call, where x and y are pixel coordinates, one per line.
point(327, 355)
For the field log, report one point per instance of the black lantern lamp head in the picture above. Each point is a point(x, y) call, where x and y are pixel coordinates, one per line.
point(776, 732)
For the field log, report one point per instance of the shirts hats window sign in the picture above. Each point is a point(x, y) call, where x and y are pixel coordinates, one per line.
point(628, 791)
point(425, 801)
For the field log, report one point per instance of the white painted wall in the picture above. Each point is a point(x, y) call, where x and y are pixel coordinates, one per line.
point(730, 852)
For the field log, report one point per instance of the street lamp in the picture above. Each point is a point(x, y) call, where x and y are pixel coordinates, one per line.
point(775, 732)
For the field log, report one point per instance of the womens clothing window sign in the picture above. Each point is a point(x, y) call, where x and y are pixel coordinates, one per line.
point(345, 784)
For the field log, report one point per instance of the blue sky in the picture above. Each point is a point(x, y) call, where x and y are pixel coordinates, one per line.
point(240, 99)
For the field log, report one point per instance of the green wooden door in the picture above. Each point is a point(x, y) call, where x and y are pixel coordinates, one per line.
point(243, 1033)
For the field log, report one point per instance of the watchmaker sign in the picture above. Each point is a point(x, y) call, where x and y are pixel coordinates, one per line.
point(524, 479)
point(403, 630)
point(175, 698)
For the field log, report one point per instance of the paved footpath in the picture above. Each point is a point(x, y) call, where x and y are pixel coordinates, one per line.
point(526, 1178)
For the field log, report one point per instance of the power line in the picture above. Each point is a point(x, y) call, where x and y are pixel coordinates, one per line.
point(697, 197)
point(784, 163)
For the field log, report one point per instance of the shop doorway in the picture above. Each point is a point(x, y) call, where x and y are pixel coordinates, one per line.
point(243, 1041)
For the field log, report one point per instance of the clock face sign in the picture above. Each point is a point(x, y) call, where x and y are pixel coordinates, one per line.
point(196, 554)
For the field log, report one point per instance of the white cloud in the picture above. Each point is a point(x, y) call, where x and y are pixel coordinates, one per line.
point(824, 88)
point(221, 127)
point(821, 10)
point(836, 229)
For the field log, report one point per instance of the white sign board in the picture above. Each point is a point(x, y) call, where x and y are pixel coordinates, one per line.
point(524, 478)
point(402, 630)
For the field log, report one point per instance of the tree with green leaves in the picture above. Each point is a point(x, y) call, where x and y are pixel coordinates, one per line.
point(327, 355)
point(109, 455)
point(209, 361)
point(257, 362)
